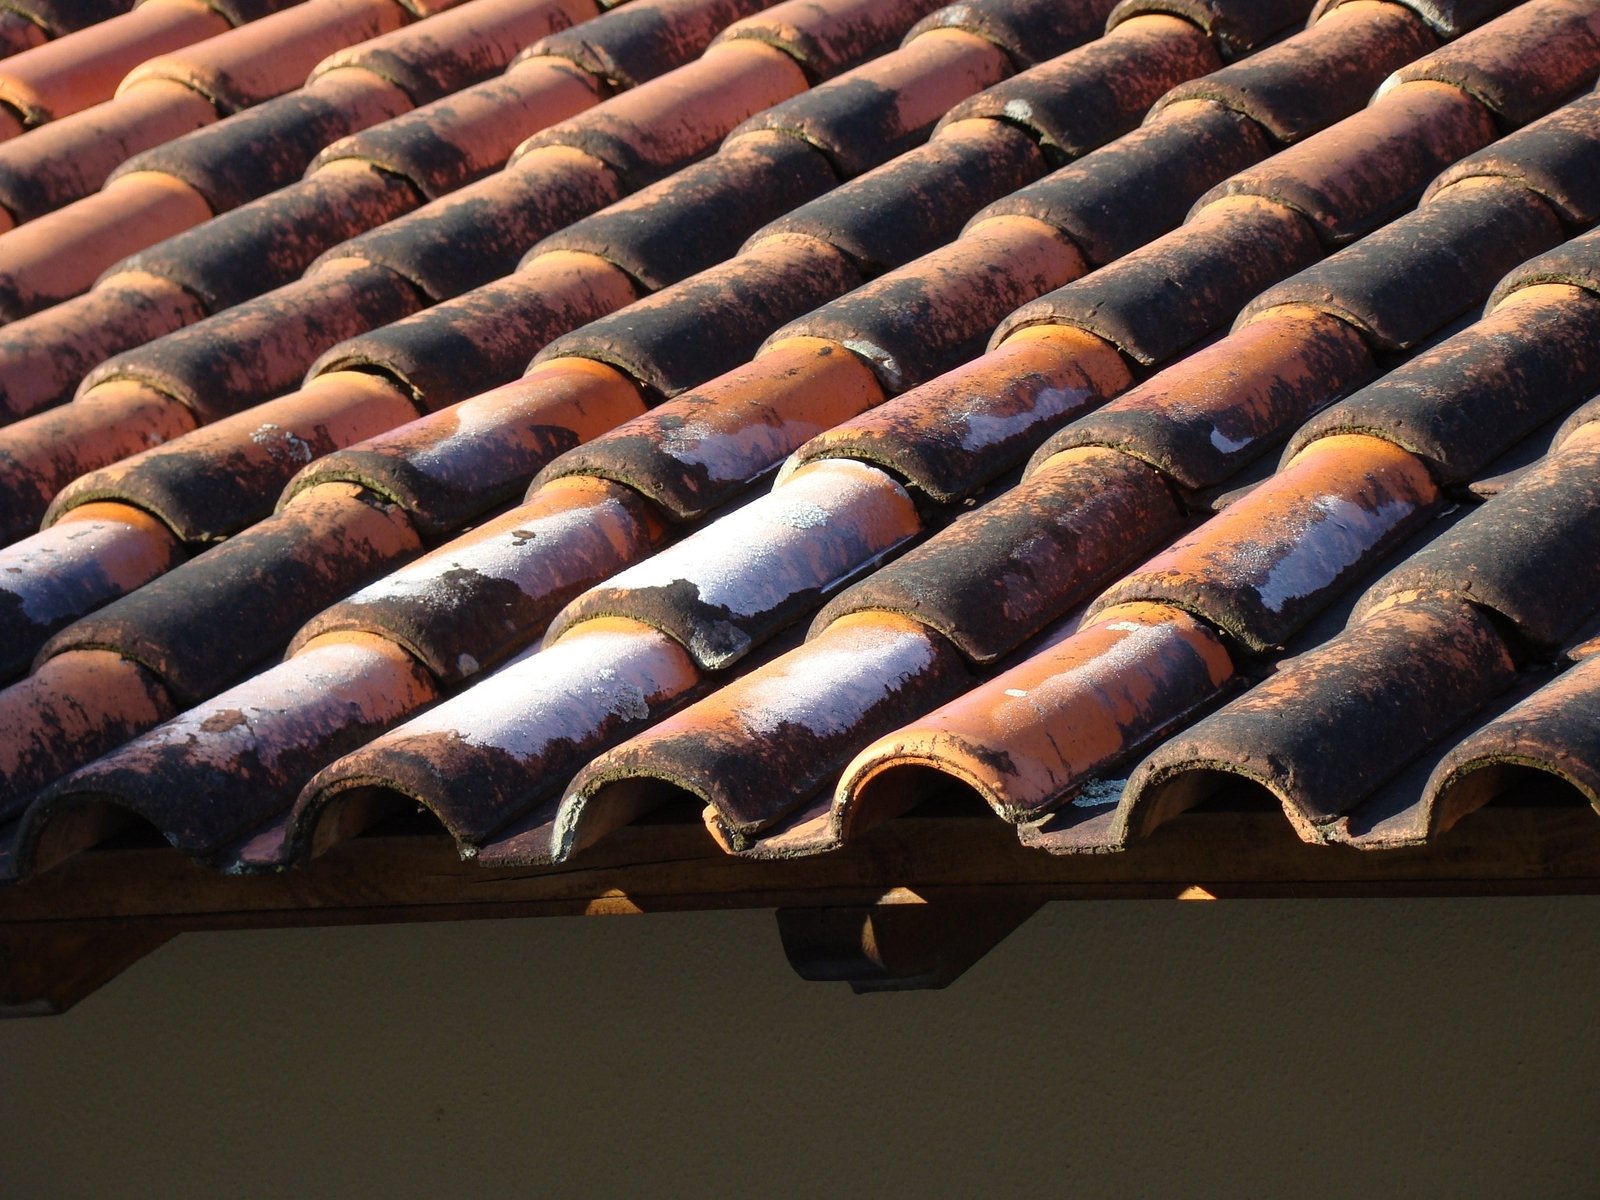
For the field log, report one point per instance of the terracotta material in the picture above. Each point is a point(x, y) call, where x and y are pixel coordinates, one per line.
point(739, 581)
point(211, 775)
point(1449, 18)
point(74, 708)
point(642, 39)
point(1531, 554)
point(213, 482)
point(1549, 736)
point(649, 132)
point(917, 202)
point(72, 73)
point(458, 48)
point(869, 115)
point(998, 575)
point(273, 55)
point(477, 234)
point(269, 146)
point(69, 159)
point(205, 625)
point(483, 339)
point(44, 357)
point(1237, 26)
point(474, 602)
point(1167, 163)
point(954, 434)
point(828, 37)
point(250, 353)
point(452, 465)
point(44, 453)
point(1171, 293)
point(1470, 398)
point(705, 446)
point(921, 320)
point(461, 138)
point(279, 235)
point(1084, 99)
point(487, 757)
point(798, 718)
point(1576, 262)
point(1389, 685)
point(705, 326)
point(1359, 174)
point(1557, 156)
point(59, 17)
point(1522, 64)
point(18, 34)
point(1320, 75)
point(1208, 415)
point(58, 256)
point(1405, 282)
point(1029, 739)
point(1029, 31)
point(696, 217)
point(1261, 568)
point(56, 576)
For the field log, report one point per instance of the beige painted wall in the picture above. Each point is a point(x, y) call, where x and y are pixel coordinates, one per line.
point(1359, 1048)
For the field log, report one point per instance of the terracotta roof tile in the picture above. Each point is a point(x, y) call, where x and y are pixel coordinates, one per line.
point(723, 238)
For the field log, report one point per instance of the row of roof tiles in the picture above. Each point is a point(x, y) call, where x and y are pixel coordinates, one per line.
point(802, 294)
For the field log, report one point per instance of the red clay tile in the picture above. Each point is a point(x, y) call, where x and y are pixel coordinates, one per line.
point(702, 448)
point(737, 582)
point(643, 39)
point(1268, 562)
point(244, 754)
point(647, 133)
point(1548, 736)
point(705, 326)
point(69, 159)
point(1237, 26)
point(261, 349)
point(1206, 416)
point(1090, 95)
point(213, 482)
point(74, 708)
point(1450, 18)
point(1029, 31)
point(17, 34)
point(60, 17)
point(1117, 684)
point(83, 69)
point(488, 756)
point(99, 552)
point(882, 109)
point(1324, 73)
point(1359, 174)
point(1558, 157)
point(1171, 293)
point(917, 202)
point(1520, 65)
point(273, 55)
point(455, 464)
point(1531, 555)
point(477, 234)
point(1467, 400)
point(58, 256)
point(44, 357)
point(996, 576)
point(798, 718)
point(954, 434)
point(926, 317)
point(1331, 725)
point(696, 217)
point(1168, 163)
point(828, 37)
point(202, 626)
point(47, 451)
point(474, 602)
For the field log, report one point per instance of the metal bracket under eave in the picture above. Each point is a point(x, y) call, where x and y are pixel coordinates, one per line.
point(897, 947)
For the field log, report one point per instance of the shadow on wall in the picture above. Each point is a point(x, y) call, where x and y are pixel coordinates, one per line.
point(1327, 1048)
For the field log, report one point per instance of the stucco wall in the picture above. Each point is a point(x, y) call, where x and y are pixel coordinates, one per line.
point(1362, 1048)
